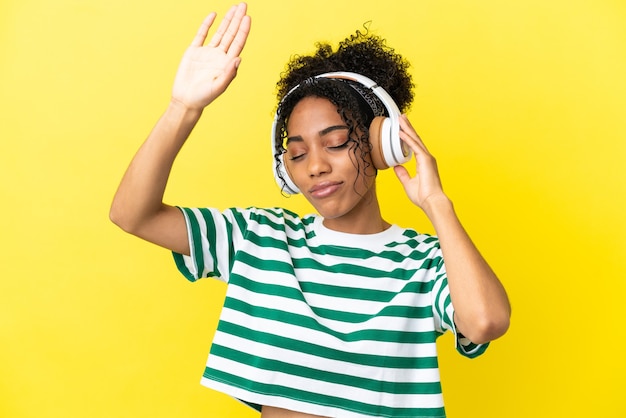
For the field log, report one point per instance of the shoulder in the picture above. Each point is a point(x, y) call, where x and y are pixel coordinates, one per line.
point(275, 214)
point(276, 218)
point(414, 238)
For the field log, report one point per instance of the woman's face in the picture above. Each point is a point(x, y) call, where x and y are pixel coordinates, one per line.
point(321, 161)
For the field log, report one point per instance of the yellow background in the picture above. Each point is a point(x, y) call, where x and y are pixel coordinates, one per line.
point(523, 103)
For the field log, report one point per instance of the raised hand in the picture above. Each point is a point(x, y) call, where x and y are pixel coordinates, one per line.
point(425, 184)
point(206, 70)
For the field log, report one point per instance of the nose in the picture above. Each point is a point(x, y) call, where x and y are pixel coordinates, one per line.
point(318, 163)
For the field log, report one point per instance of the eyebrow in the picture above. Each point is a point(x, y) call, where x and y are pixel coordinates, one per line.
point(298, 138)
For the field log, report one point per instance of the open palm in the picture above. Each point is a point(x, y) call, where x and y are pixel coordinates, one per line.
point(206, 70)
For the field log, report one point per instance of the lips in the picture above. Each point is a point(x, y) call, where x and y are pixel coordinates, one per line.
point(324, 189)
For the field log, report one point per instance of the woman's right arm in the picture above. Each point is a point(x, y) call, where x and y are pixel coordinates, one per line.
point(204, 73)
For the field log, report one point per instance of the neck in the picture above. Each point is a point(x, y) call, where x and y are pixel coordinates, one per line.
point(365, 218)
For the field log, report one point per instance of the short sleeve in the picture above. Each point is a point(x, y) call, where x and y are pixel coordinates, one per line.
point(211, 244)
point(443, 311)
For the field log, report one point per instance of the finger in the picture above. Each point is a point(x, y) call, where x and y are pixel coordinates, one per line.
point(407, 128)
point(413, 143)
point(221, 29)
point(228, 27)
point(200, 37)
point(412, 139)
point(239, 24)
point(240, 38)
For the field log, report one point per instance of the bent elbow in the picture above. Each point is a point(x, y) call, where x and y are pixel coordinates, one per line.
point(119, 217)
point(492, 330)
point(488, 328)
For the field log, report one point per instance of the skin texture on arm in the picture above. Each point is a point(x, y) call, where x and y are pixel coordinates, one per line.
point(482, 309)
point(203, 74)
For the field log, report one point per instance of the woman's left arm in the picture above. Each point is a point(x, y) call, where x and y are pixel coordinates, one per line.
point(481, 305)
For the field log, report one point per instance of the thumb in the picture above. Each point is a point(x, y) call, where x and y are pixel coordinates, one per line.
point(233, 67)
point(230, 70)
point(402, 174)
point(227, 76)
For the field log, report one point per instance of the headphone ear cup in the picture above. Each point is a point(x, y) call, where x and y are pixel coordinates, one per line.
point(378, 134)
point(283, 179)
point(388, 149)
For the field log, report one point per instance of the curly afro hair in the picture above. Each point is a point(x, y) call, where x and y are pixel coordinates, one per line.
point(362, 53)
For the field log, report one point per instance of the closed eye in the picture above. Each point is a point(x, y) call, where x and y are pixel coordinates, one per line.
point(342, 145)
point(339, 147)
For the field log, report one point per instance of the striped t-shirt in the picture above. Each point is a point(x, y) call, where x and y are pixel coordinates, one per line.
point(323, 322)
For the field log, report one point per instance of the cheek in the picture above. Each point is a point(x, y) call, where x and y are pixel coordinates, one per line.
point(363, 175)
point(362, 159)
point(289, 167)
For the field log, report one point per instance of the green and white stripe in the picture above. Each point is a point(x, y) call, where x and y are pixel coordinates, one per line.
point(323, 322)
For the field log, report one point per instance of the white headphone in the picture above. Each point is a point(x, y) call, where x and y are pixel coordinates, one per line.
point(384, 133)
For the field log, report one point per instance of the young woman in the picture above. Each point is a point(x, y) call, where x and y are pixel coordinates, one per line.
point(337, 313)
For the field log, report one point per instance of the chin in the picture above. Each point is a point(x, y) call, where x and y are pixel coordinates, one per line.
point(328, 214)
